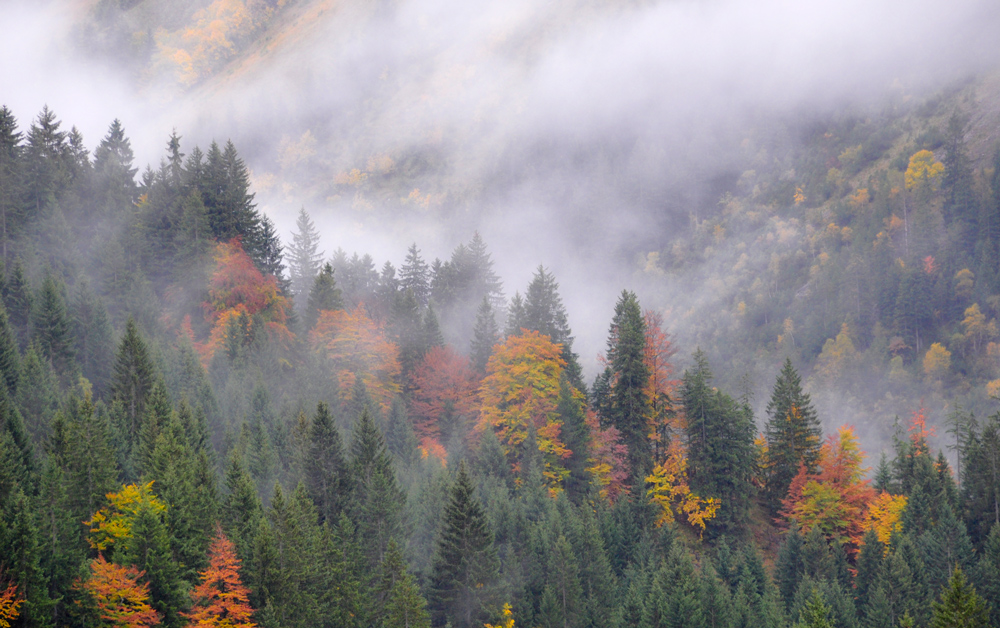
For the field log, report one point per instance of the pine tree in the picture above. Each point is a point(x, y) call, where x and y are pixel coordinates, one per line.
point(626, 345)
point(465, 564)
point(816, 613)
point(326, 476)
point(132, 384)
point(324, 296)
point(793, 435)
point(544, 312)
point(485, 334)
point(515, 316)
point(51, 326)
point(18, 300)
point(960, 605)
point(242, 511)
point(45, 167)
point(415, 276)
point(10, 359)
point(304, 256)
point(10, 178)
point(93, 338)
point(377, 499)
point(397, 595)
point(114, 176)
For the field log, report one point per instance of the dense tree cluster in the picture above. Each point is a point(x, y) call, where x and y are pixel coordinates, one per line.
point(188, 437)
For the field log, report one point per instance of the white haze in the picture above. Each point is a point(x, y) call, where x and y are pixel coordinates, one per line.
point(579, 132)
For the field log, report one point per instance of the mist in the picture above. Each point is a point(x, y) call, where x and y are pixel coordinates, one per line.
point(580, 135)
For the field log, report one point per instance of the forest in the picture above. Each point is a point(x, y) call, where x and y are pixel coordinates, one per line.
point(203, 425)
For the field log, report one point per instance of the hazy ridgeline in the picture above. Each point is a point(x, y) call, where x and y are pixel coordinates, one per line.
point(588, 309)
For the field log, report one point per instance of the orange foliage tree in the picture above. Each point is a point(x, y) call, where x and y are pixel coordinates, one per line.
point(665, 424)
point(521, 392)
point(238, 290)
point(10, 602)
point(221, 599)
point(356, 346)
point(444, 383)
point(836, 498)
point(121, 601)
point(608, 464)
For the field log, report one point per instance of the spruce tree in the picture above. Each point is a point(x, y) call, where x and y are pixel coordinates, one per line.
point(544, 312)
point(131, 385)
point(114, 176)
point(304, 257)
point(465, 563)
point(485, 334)
point(326, 476)
point(10, 359)
point(93, 338)
point(377, 500)
point(397, 594)
point(51, 325)
point(960, 605)
point(575, 435)
point(45, 162)
point(10, 178)
point(626, 357)
point(18, 300)
point(415, 276)
point(793, 435)
point(324, 295)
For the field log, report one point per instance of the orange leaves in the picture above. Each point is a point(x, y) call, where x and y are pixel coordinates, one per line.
point(607, 463)
point(357, 346)
point(239, 297)
point(9, 605)
point(121, 601)
point(443, 383)
point(521, 392)
point(918, 430)
point(884, 516)
point(669, 490)
point(663, 421)
point(836, 499)
point(221, 599)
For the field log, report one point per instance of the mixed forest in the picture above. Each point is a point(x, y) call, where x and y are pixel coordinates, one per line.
point(203, 425)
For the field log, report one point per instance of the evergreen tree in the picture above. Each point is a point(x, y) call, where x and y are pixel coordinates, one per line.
point(114, 176)
point(485, 334)
point(93, 338)
point(960, 605)
point(575, 435)
point(10, 178)
point(326, 468)
point(465, 564)
point(793, 435)
point(400, 439)
point(544, 312)
point(398, 597)
point(324, 295)
point(626, 353)
point(377, 499)
point(131, 385)
point(37, 393)
point(415, 276)
point(304, 256)
point(515, 316)
point(51, 326)
point(45, 157)
point(18, 300)
point(987, 575)
point(10, 359)
point(242, 512)
point(816, 613)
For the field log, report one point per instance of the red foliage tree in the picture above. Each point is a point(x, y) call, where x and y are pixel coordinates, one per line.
point(221, 599)
point(444, 382)
point(121, 601)
point(665, 424)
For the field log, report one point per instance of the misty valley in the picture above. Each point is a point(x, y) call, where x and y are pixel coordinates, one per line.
point(402, 314)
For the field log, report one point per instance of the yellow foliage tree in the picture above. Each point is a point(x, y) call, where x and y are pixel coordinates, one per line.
point(923, 171)
point(669, 490)
point(521, 392)
point(113, 523)
point(9, 605)
point(937, 361)
point(508, 618)
point(884, 516)
point(837, 356)
point(976, 329)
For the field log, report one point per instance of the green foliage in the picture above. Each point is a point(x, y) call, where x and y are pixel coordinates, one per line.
point(793, 435)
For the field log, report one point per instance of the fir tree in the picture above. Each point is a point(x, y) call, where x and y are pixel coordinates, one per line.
point(465, 564)
point(326, 467)
point(415, 276)
point(132, 383)
point(793, 435)
point(960, 605)
point(576, 437)
point(93, 336)
point(544, 312)
point(626, 346)
point(10, 359)
point(51, 326)
point(324, 296)
point(10, 178)
point(18, 300)
point(114, 176)
point(485, 334)
point(397, 595)
point(377, 499)
point(304, 256)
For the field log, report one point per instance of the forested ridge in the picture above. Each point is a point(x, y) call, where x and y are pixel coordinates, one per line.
point(203, 425)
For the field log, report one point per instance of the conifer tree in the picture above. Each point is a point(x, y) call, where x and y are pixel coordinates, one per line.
point(45, 167)
point(326, 467)
point(93, 338)
point(18, 300)
point(465, 564)
point(242, 511)
point(397, 595)
point(114, 176)
point(485, 334)
point(628, 407)
point(51, 326)
point(377, 499)
point(515, 316)
point(10, 178)
point(221, 599)
point(793, 435)
point(576, 437)
point(816, 613)
point(10, 359)
point(987, 574)
point(544, 312)
point(132, 384)
point(414, 275)
point(400, 439)
point(960, 605)
point(324, 295)
point(304, 257)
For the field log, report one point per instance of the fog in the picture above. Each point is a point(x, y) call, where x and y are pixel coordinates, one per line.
point(578, 134)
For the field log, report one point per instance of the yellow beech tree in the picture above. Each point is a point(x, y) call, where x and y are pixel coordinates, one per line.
point(521, 392)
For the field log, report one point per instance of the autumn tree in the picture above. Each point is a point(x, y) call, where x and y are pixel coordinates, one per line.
point(221, 599)
point(792, 433)
point(444, 394)
point(10, 602)
point(520, 394)
point(118, 597)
